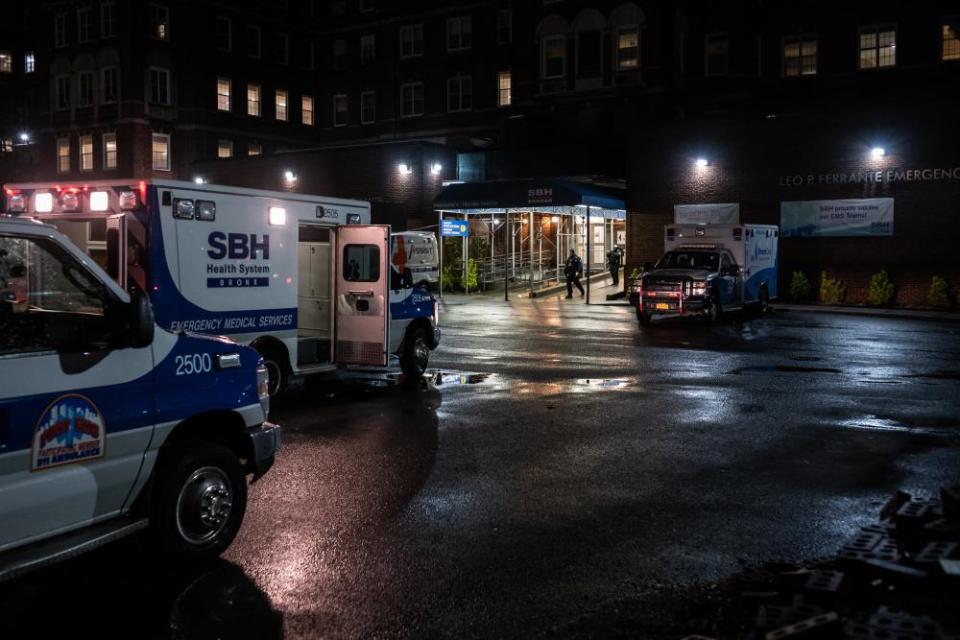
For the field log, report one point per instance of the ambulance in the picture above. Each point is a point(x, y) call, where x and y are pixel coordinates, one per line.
point(417, 251)
point(110, 425)
point(305, 280)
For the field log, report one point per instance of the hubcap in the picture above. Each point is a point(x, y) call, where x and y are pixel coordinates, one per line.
point(273, 374)
point(204, 505)
point(421, 352)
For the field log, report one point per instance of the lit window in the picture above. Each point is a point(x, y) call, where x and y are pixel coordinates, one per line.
point(504, 97)
point(281, 104)
point(554, 56)
point(86, 153)
point(715, 54)
point(368, 47)
point(306, 110)
point(161, 151)
point(160, 22)
point(63, 155)
point(340, 110)
point(224, 89)
point(253, 100)
point(253, 41)
point(254, 149)
point(504, 26)
point(85, 89)
point(950, 39)
point(628, 48)
point(60, 37)
point(29, 62)
point(800, 56)
point(110, 150)
point(108, 19)
point(878, 47)
point(411, 99)
point(6, 62)
point(63, 92)
point(459, 33)
point(460, 93)
point(159, 86)
point(224, 33)
point(108, 84)
point(411, 40)
point(225, 149)
point(282, 49)
point(368, 107)
point(83, 24)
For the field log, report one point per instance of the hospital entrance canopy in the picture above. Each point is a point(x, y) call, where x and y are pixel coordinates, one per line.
point(542, 195)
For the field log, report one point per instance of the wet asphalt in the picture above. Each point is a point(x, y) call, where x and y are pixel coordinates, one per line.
point(561, 457)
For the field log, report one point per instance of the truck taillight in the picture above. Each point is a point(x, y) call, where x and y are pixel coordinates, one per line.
point(70, 201)
point(16, 203)
point(128, 200)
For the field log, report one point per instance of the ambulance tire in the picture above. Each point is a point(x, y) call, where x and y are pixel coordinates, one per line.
point(763, 306)
point(714, 311)
point(416, 354)
point(643, 318)
point(277, 370)
point(200, 497)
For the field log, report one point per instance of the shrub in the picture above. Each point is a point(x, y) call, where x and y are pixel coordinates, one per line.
point(939, 294)
point(472, 275)
point(880, 292)
point(831, 291)
point(799, 287)
point(451, 277)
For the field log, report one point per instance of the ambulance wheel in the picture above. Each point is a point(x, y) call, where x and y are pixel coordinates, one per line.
point(714, 311)
point(643, 318)
point(416, 354)
point(763, 306)
point(200, 497)
point(277, 372)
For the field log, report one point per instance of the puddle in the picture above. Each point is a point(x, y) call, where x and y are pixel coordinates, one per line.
point(604, 383)
point(805, 358)
point(875, 423)
point(784, 368)
point(440, 378)
point(937, 375)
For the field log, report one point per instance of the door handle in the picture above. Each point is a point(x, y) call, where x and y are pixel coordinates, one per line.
point(363, 294)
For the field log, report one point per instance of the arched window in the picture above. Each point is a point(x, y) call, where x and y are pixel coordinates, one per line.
point(627, 22)
point(588, 28)
point(552, 32)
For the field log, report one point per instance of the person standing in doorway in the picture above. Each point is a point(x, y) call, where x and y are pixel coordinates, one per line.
point(613, 264)
point(573, 271)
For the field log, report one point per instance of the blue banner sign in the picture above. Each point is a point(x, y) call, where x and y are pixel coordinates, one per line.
point(454, 228)
point(837, 218)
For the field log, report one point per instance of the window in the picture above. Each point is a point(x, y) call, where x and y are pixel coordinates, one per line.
point(950, 39)
point(309, 61)
point(459, 33)
point(460, 93)
point(368, 107)
point(589, 53)
point(253, 100)
point(159, 86)
point(281, 48)
point(109, 85)
point(368, 47)
point(159, 22)
point(280, 104)
point(628, 48)
point(504, 97)
point(504, 26)
point(254, 149)
point(800, 56)
point(253, 41)
point(29, 62)
point(411, 40)
point(340, 110)
point(63, 92)
point(715, 54)
point(60, 38)
point(161, 151)
point(306, 110)
point(339, 53)
point(6, 62)
point(224, 33)
point(554, 56)
point(85, 89)
point(63, 155)
point(110, 150)
point(225, 149)
point(367, 5)
point(224, 89)
point(411, 99)
point(83, 24)
point(361, 263)
point(86, 153)
point(878, 47)
point(108, 19)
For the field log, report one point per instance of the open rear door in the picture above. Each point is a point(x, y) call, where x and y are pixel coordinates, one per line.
point(362, 267)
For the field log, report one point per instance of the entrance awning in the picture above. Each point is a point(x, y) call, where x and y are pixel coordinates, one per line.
point(536, 194)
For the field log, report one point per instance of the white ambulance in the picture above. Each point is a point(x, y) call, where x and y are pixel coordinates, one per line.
point(417, 251)
point(305, 280)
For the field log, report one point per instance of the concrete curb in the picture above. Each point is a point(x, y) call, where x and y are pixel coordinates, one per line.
point(909, 314)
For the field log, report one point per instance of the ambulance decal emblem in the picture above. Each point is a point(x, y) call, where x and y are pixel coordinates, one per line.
point(71, 429)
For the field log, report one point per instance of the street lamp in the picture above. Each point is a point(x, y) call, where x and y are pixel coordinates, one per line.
point(702, 162)
point(877, 153)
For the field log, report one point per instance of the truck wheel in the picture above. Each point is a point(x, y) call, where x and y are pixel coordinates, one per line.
point(714, 311)
point(763, 306)
point(200, 497)
point(416, 354)
point(277, 370)
point(643, 318)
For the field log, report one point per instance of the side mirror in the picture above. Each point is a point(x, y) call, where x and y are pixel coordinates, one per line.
point(142, 322)
point(732, 270)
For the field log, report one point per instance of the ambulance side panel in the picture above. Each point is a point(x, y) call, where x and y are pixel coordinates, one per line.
point(760, 266)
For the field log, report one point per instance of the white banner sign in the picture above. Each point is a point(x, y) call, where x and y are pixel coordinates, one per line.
point(723, 213)
point(819, 218)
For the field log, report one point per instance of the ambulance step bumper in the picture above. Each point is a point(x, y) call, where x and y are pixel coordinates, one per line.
point(38, 555)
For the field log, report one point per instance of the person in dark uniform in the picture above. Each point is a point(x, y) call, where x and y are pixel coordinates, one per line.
point(573, 271)
point(613, 264)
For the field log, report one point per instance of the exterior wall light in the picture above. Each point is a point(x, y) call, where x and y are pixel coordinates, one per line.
point(289, 176)
point(404, 169)
point(198, 180)
point(701, 163)
point(436, 168)
point(24, 137)
point(877, 152)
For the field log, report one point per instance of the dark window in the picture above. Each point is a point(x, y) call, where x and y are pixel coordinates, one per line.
point(589, 53)
point(715, 61)
point(224, 33)
point(361, 263)
point(504, 26)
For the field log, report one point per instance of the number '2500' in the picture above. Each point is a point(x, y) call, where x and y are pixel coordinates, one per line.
point(194, 363)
